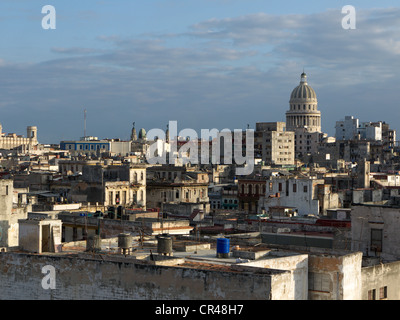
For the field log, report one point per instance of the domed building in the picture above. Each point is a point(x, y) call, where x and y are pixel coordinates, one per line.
point(303, 111)
point(304, 118)
point(142, 134)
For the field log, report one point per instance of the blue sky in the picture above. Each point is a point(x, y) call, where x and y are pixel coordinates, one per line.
point(207, 64)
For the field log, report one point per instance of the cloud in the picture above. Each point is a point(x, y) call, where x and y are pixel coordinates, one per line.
point(74, 50)
point(219, 73)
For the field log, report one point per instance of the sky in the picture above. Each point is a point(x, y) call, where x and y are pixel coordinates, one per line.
point(203, 63)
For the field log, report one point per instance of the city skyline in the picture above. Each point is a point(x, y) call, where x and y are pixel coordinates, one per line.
point(207, 64)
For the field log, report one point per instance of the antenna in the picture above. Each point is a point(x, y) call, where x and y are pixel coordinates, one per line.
point(84, 124)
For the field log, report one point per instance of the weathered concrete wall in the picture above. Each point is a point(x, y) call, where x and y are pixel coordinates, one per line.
point(9, 215)
point(380, 276)
point(335, 277)
point(77, 278)
point(33, 238)
point(364, 219)
point(297, 265)
point(352, 280)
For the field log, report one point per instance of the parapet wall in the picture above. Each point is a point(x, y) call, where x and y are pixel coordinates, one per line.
point(97, 278)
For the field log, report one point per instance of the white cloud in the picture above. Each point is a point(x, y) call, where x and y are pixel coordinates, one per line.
point(220, 73)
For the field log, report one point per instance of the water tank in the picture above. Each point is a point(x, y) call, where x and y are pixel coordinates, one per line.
point(93, 243)
point(223, 248)
point(124, 241)
point(164, 244)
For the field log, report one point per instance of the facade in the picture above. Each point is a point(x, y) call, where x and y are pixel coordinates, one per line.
point(371, 131)
point(307, 195)
point(273, 144)
point(346, 129)
point(375, 230)
point(224, 197)
point(120, 184)
point(352, 129)
point(12, 208)
point(40, 236)
point(177, 186)
point(381, 281)
point(388, 136)
point(86, 146)
point(11, 140)
point(304, 118)
point(250, 190)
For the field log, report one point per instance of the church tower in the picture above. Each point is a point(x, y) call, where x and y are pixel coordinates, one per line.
point(133, 133)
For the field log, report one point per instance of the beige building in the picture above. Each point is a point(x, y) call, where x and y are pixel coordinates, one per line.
point(11, 210)
point(12, 140)
point(273, 144)
point(177, 185)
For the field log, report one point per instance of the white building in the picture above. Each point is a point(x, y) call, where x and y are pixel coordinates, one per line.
point(346, 129)
point(351, 128)
point(371, 131)
point(307, 196)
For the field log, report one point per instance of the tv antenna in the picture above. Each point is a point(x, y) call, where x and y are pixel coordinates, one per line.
point(84, 123)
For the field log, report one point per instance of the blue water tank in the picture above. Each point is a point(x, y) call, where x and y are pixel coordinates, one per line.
point(223, 247)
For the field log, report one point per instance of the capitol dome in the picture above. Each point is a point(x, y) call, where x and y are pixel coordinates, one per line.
point(303, 92)
point(303, 112)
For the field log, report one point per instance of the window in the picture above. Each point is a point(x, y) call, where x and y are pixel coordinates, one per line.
point(280, 186)
point(376, 240)
point(294, 187)
point(319, 282)
point(383, 293)
point(305, 189)
point(372, 294)
point(110, 197)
